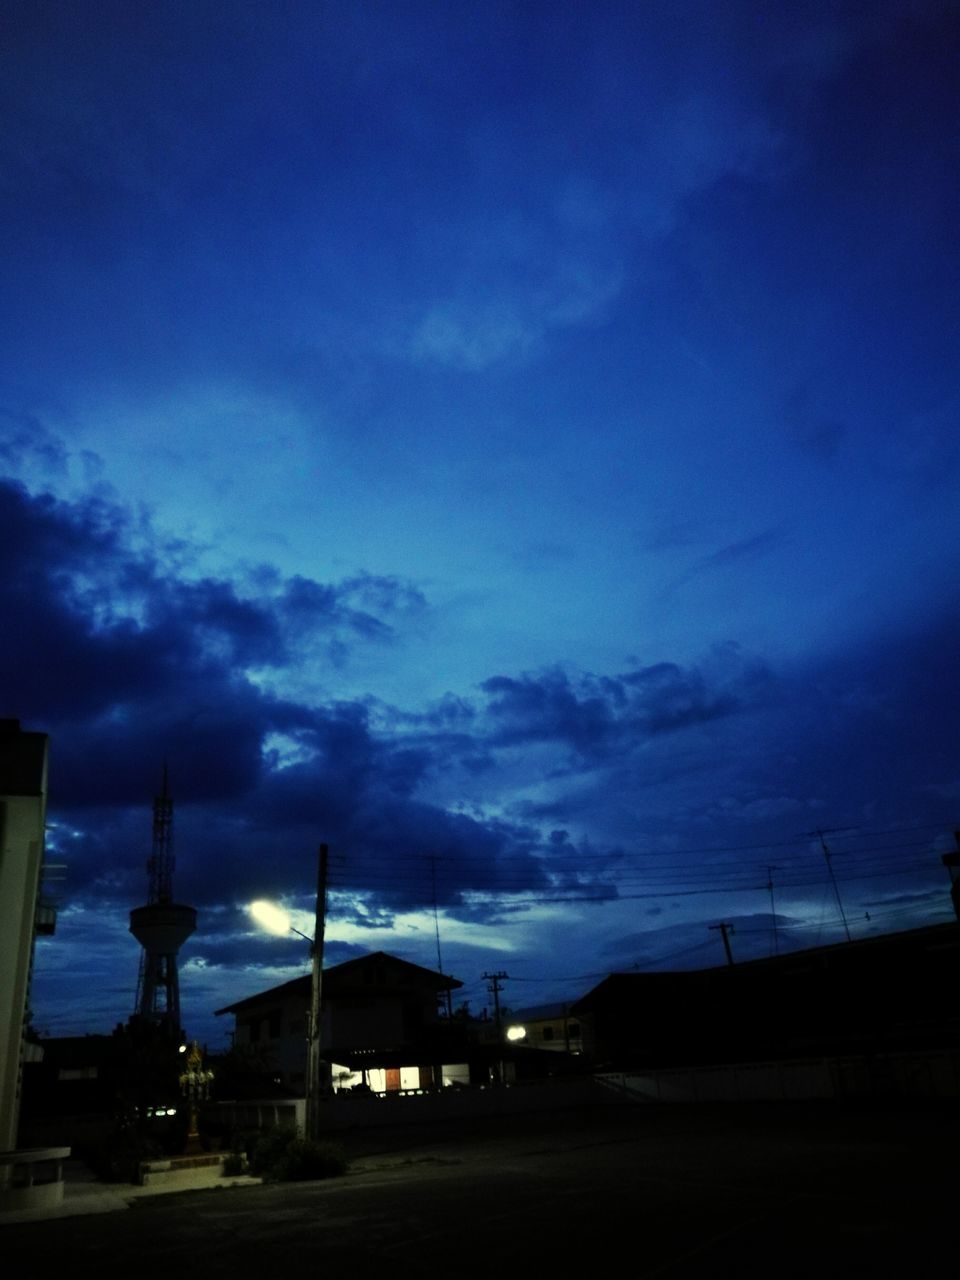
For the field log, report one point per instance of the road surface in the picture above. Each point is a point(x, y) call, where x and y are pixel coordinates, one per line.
point(804, 1191)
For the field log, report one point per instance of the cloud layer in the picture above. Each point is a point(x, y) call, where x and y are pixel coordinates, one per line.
point(517, 448)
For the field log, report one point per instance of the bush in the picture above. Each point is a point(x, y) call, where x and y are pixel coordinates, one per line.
point(117, 1158)
point(268, 1148)
point(280, 1156)
point(304, 1159)
point(233, 1165)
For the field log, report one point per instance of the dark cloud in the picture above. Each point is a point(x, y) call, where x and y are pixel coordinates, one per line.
point(127, 666)
point(96, 627)
point(24, 438)
point(597, 714)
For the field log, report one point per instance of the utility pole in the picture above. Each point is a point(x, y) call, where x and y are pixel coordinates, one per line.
point(952, 863)
point(833, 879)
point(495, 979)
point(773, 909)
point(313, 1042)
point(494, 988)
point(436, 925)
point(725, 929)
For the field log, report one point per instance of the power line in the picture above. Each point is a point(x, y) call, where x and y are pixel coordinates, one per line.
point(401, 865)
point(548, 896)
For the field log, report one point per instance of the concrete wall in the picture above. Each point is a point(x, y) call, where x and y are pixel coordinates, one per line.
point(23, 786)
point(348, 1111)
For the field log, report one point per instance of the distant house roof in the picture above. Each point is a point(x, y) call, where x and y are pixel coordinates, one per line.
point(925, 937)
point(72, 1051)
point(343, 977)
point(885, 993)
point(882, 949)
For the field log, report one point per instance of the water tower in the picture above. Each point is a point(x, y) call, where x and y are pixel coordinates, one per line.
point(161, 928)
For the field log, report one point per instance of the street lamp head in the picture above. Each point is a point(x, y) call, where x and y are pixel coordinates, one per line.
point(270, 917)
point(274, 919)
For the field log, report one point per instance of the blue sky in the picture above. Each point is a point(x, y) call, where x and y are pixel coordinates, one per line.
point(518, 435)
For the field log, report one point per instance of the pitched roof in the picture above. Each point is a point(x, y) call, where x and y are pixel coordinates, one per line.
point(886, 949)
point(342, 976)
point(295, 987)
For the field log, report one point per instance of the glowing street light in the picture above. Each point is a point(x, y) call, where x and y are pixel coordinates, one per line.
point(274, 919)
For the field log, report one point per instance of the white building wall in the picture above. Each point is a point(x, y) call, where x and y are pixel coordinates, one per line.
point(22, 820)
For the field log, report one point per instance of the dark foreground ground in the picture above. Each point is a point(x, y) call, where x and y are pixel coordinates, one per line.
point(772, 1191)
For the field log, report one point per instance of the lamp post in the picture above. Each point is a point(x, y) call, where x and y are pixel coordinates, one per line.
point(313, 1043)
point(277, 921)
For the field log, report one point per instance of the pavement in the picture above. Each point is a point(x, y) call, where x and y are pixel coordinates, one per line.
point(84, 1193)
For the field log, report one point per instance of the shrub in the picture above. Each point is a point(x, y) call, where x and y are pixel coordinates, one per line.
point(233, 1165)
point(280, 1156)
point(117, 1158)
point(304, 1159)
point(267, 1148)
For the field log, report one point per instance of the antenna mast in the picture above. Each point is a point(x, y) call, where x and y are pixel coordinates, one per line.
point(160, 864)
point(161, 927)
point(828, 858)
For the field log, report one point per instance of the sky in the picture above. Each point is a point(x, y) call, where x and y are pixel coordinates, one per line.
point(515, 444)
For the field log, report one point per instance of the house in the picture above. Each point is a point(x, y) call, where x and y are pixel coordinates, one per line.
point(23, 798)
point(28, 1178)
point(887, 994)
point(381, 1029)
point(552, 1027)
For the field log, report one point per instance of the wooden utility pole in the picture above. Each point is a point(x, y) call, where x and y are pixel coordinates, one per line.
point(725, 929)
point(952, 863)
point(495, 979)
point(773, 908)
point(313, 1041)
